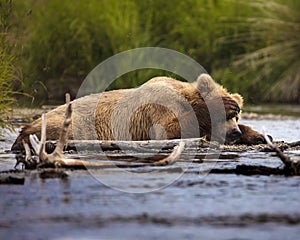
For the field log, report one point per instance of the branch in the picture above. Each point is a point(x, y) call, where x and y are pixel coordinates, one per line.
point(35, 143)
point(41, 149)
point(81, 164)
point(57, 155)
point(64, 132)
point(291, 167)
point(285, 159)
point(172, 158)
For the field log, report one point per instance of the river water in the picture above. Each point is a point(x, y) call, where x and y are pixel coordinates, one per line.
point(194, 206)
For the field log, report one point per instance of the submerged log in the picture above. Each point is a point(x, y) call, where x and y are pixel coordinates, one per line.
point(249, 170)
point(12, 180)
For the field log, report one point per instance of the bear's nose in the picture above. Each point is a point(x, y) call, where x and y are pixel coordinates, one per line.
point(235, 133)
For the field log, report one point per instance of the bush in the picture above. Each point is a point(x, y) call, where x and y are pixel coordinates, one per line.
point(240, 43)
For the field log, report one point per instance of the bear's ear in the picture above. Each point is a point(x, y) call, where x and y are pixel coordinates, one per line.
point(205, 84)
point(239, 99)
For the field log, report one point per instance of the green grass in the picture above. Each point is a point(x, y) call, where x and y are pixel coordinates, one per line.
point(6, 96)
point(250, 47)
point(7, 70)
point(269, 68)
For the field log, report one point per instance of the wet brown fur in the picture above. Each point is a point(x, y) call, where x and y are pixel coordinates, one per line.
point(162, 108)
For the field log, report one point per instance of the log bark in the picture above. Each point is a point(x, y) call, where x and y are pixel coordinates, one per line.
point(249, 170)
point(81, 164)
point(137, 146)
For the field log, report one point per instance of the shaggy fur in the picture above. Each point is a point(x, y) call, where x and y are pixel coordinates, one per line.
point(162, 108)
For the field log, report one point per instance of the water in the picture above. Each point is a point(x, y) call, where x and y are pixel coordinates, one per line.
point(287, 130)
point(213, 206)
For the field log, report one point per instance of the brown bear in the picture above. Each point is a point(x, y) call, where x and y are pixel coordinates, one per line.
point(162, 108)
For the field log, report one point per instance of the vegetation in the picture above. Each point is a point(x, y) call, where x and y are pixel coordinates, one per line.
point(273, 63)
point(7, 71)
point(249, 46)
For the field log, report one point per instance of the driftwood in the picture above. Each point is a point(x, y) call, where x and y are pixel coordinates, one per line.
point(50, 153)
point(294, 144)
point(290, 167)
point(137, 146)
point(152, 146)
point(57, 158)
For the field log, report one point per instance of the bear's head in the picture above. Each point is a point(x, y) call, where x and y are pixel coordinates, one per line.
point(224, 109)
point(232, 129)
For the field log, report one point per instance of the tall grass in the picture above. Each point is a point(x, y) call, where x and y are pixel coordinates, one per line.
point(249, 46)
point(7, 71)
point(65, 39)
point(271, 64)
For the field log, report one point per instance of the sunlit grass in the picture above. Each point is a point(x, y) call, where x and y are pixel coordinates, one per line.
point(6, 68)
point(6, 96)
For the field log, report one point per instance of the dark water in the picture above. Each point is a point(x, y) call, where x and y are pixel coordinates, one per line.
point(195, 206)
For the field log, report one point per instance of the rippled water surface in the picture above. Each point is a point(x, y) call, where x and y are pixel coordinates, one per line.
point(195, 206)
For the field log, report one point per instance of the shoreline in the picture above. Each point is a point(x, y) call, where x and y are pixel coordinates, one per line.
point(27, 115)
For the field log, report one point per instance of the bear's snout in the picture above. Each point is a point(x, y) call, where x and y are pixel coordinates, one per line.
point(236, 133)
point(233, 135)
